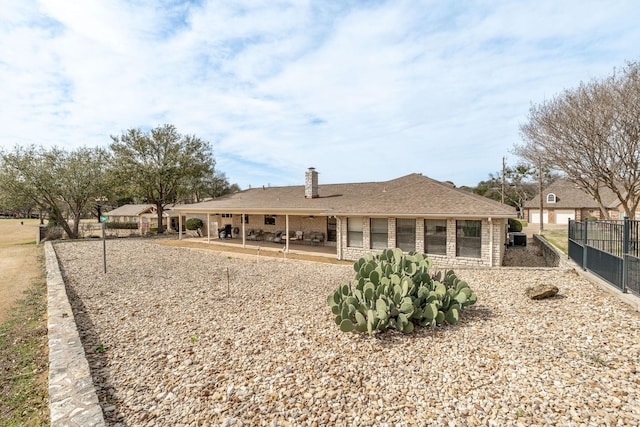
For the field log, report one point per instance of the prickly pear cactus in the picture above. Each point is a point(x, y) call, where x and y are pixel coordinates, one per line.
point(395, 290)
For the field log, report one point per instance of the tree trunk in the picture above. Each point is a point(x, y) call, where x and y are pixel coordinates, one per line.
point(541, 199)
point(62, 222)
point(160, 212)
point(76, 224)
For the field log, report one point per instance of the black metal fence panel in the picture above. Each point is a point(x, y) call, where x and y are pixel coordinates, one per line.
point(576, 231)
point(605, 265)
point(633, 273)
point(575, 252)
point(608, 236)
point(610, 249)
point(634, 239)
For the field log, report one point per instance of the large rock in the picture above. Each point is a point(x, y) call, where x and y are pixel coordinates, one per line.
point(542, 291)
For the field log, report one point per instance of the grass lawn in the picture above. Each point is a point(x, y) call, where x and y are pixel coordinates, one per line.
point(24, 361)
point(559, 238)
point(23, 326)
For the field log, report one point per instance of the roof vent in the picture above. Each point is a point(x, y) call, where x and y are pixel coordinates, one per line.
point(311, 183)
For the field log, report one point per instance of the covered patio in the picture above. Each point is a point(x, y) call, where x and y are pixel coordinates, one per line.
point(262, 248)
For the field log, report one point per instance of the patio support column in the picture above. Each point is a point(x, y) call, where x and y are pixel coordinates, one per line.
point(339, 236)
point(180, 226)
point(244, 234)
point(490, 242)
point(286, 231)
point(208, 229)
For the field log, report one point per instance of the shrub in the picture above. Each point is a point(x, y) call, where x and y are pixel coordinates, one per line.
point(194, 224)
point(121, 225)
point(515, 225)
point(53, 233)
point(394, 290)
point(592, 218)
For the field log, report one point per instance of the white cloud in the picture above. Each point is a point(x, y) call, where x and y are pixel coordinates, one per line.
point(362, 91)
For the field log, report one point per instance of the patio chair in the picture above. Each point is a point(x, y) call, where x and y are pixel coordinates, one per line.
point(316, 238)
point(298, 235)
point(277, 237)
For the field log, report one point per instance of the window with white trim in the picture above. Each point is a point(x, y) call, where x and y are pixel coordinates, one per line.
point(551, 198)
point(354, 232)
point(435, 236)
point(406, 234)
point(469, 238)
point(379, 233)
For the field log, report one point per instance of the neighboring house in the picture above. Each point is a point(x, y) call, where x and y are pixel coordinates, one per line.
point(563, 200)
point(413, 212)
point(145, 215)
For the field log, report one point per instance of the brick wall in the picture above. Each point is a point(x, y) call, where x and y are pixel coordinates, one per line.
point(499, 240)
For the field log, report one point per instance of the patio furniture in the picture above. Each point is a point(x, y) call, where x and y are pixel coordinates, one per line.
point(298, 235)
point(225, 232)
point(316, 238)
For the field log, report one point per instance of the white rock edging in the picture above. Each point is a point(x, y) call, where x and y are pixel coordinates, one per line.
point(72, 397)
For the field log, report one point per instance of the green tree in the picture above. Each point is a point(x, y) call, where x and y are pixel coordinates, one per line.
point(161, 165)
point(520, 184)
point(213, 186)
point(56, 181)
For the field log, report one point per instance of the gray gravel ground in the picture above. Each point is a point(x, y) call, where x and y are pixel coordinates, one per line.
point(172, 341)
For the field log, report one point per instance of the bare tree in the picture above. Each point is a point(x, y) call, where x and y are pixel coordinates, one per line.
point(592, 134)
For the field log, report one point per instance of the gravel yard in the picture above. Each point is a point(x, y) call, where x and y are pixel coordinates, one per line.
point(172, 341)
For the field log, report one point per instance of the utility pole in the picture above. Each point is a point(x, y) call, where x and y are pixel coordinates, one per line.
point(502, 192)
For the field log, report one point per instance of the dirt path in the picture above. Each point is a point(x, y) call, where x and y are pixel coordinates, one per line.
point(18, 261)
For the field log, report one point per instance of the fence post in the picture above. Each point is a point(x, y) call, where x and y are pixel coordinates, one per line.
point(585, 227)
point(625, 251)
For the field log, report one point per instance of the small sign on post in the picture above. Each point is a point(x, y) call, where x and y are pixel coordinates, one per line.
point(104, 249)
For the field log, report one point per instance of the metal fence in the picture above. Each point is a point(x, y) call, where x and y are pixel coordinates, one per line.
point(609, 249)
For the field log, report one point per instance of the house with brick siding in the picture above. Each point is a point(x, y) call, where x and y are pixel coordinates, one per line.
point(413, 213)
point(145, 215)
point(563, 200)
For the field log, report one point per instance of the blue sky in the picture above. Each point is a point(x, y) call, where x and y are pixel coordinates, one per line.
point(360, 90)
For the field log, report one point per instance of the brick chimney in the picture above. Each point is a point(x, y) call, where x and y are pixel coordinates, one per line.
point(311, 184)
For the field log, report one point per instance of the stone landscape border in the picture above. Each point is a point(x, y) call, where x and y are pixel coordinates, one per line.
point(550, 253)
point(72, 396)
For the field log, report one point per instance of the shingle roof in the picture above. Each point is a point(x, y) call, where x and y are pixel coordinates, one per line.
point(410, 195)
point(569, 195)
point(129, 210)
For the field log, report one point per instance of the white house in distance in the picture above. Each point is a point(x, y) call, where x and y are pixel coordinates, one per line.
point(413, 213)
point(563, 201)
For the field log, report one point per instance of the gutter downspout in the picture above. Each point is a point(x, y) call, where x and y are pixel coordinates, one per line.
point(208, 228)
point(180, 226)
